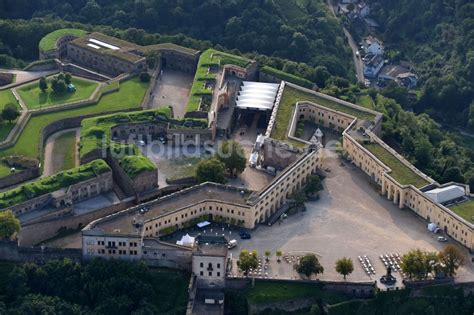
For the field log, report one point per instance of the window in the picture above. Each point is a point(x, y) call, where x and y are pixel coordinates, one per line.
point(201, 265)
point(218, 265)
point(218, 274)
point(201, 273)
point(210, 273)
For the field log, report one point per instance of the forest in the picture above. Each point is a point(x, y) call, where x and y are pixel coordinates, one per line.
point(303, 31)
point(99, 287)
point(438, 36)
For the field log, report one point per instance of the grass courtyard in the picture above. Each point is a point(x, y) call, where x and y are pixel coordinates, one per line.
point(400, 172)
point(6, 96)
point(35, 98)
point(129, 96)
point(465, 210)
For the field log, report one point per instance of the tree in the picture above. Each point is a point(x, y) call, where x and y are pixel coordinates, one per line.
point(418, 264)
point(308, 265)
point(299, 199)
point(268, 254)
point(145, 76)
point(279, 254)
point(10, 112)
point(9, 224)
point(60, 87)
point(313, 185)
point(247, 260)
point(451, 259)
point(210, 170)
point(232, 155)
point(67, 78)
point(43, 84)
point(344, 266)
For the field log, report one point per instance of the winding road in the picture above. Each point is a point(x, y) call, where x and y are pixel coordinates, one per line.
point(359, 66)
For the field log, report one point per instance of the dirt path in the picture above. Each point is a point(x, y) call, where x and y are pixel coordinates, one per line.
point(52, 163)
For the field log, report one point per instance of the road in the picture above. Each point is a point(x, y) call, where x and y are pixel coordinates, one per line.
point(22, 76)
point(359, 66)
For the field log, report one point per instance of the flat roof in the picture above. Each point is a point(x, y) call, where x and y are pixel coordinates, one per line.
point(123, 222)
point(108, 45)
point(257, 95)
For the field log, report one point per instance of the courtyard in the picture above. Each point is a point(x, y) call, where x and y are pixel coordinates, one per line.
point(172, 88)
point(351, 219)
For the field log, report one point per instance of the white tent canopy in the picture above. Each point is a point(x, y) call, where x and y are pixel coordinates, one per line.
point(257, 95)
point(186, 240)
point(444, 194)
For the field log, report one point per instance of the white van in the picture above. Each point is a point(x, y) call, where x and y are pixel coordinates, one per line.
point(231, 244)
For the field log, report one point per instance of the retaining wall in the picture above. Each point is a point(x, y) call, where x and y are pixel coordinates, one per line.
point(19, 177)
point(35, 233)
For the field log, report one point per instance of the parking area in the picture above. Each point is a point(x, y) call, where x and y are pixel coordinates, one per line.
point(172, 88)
point(351, 219)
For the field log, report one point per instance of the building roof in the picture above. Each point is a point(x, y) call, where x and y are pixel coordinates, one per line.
point(445, 194)
point(215, 250)
point(393, 71)
point(107, 45)
point(257, 95)
point(131, 221)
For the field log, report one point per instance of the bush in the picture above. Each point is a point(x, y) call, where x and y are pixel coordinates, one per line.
point(145, 76)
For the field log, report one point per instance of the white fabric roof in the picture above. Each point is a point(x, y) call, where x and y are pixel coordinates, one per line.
point(257, 95)
point(441, 195)
point(186, 240)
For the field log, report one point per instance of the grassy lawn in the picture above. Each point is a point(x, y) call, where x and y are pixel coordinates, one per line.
point(288, 101)
point(34, 98)
point(129, 96)
point(65, 150)
point(4, 170)
point(6, 96)
point(465, 210)
point(365, 101)
point(400, 172)
point(215, 58)
point(49, 184)
point(49, 41)
point(265, 292)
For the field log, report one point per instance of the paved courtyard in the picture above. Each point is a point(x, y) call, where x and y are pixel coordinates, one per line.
point(172, 88)
point(351, 219)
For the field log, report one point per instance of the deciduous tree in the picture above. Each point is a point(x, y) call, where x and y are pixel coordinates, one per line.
point(451, 259)
point(210, 170)
point(10, 112)
point(344, 266)
point(232, 155)
point(308, 265)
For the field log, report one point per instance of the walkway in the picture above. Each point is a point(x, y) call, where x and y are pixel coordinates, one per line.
point(54, 163)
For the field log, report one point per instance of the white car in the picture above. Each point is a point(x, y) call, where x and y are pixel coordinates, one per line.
point(442, 239)
point(141, 143)
point(231, 244)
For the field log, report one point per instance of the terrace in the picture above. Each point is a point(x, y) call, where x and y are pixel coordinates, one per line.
point(52, 183)
point(400, 172)
point(201, 87)
point(292, 95)
point(465, 210)
point(48, 42)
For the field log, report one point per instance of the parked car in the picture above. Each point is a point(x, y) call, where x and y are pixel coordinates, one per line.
point(141, 143)
point(244, 235)
point(442, 239)
point(231, 244)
